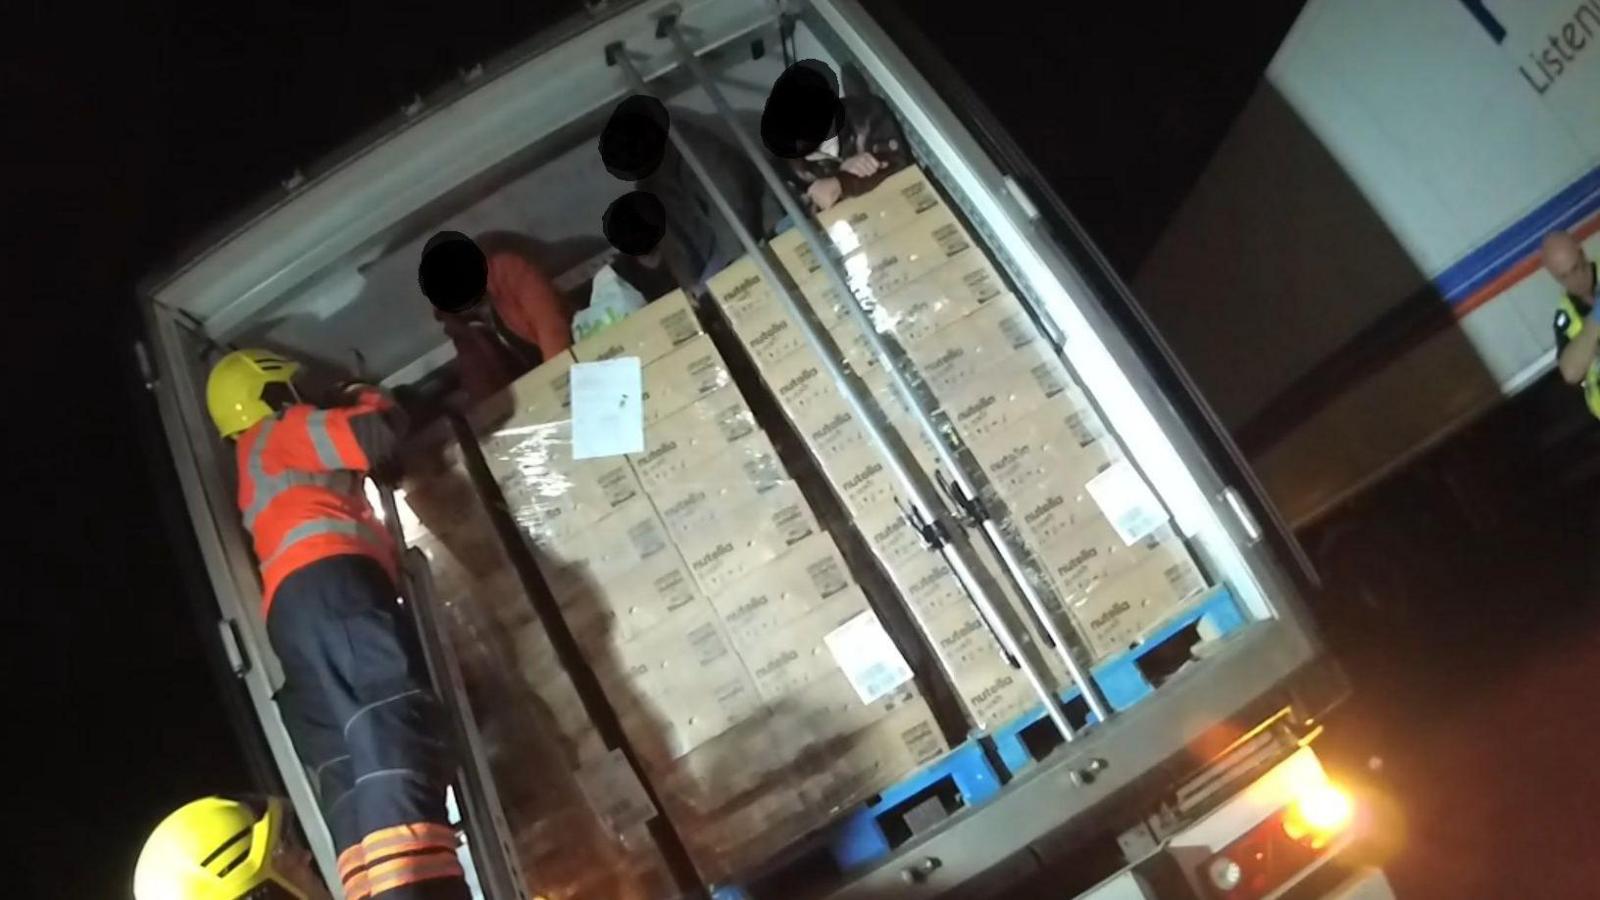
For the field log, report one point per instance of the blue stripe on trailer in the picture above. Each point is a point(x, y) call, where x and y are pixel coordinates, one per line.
point(1120, 680)
point(860, 838)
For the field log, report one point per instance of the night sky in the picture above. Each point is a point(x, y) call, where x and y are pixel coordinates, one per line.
point(136, 130)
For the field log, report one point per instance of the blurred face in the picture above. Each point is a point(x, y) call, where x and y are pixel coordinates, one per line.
point(1564, 259)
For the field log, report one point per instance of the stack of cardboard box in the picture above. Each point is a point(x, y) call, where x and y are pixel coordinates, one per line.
point(716, 613)
point(975, 352)
point(551, 768)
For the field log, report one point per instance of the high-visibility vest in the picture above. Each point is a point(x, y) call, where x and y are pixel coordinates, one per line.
point(301, 491)
point(1569, 321)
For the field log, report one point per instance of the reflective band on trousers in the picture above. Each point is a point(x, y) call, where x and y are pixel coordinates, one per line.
point(315, 527)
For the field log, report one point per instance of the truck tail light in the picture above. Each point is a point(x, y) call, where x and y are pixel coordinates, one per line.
point(1319, 815)
point(1284, 844)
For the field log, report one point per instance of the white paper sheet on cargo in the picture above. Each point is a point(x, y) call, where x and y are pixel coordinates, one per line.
point(607, 408)
point(1127, 502)
point(868, 657)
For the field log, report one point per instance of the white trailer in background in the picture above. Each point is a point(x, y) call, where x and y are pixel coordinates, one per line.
point(1355, 275)
point(1183, 787)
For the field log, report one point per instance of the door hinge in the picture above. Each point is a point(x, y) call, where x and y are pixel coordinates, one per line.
point(233, 647)
point(141, 358)
point(1023, 201)
point(1242, 515)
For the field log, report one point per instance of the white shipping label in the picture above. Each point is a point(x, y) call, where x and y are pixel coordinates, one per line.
point(1127, 502)
point(607, 408)
point(868, 657)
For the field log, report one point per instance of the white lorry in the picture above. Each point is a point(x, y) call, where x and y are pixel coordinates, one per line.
point(1182, 768)
point(1368, 233)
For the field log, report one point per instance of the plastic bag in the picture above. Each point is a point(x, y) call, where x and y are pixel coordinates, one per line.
point(611, 299)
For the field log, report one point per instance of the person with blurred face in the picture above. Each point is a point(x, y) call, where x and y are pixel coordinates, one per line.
point(1577, 319)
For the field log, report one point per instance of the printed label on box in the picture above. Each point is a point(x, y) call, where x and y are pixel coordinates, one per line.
point(868, 657)
point(607, 408)
point(1128, 503)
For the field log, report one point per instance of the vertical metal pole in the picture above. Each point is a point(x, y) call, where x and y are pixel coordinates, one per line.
point(489, 836)
point(825, 255)
point(953, 546)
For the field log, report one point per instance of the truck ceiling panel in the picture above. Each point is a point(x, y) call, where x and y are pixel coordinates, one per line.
point(233, 284)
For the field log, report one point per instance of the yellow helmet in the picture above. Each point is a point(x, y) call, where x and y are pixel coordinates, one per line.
point(233, 392)
point(215, 849)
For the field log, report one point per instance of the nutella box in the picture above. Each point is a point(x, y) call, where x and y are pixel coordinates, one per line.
point(1095, 552)
point(602, 551)
point(1116, 614)
point(758, 606)
point(990, 688)
point(997, 402)
point(676, 447)
point(862, 479)
point(747, 538)
point(807, 394)
point(874, 758)
point(650, 333)
point(897, 203)
point(692, 371)
point(888, 264)
point(667, 716)
point(541, 396)
point(742, 293)
point(999, 338)
point(706, 501)
point(1047, 445)
point(547, 497)
point(786, 660)
point(937, 300)
point(633, 604)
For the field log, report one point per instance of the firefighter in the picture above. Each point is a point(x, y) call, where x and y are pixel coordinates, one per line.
point(223, 848)
point(1577, 320)
point(356, 695)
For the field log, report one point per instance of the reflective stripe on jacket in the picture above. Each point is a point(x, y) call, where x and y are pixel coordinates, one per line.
point(1569, 322)
point(300, 487)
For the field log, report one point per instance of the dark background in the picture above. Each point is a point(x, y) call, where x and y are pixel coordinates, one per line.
point(130, 131)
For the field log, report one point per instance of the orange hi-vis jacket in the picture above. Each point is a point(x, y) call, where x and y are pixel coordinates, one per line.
point(301, 491)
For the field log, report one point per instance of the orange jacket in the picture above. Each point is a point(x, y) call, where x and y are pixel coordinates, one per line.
point(301, 491)
point(528, 303)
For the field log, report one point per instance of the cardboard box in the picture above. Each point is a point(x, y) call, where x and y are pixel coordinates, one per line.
point(863, 480)
point(549, 496)
point(737, 541)
point(999, 337)
point(694, 370)
point(992, 691)
point(937, 300)
point(896, 204)
point(742, 293)
point(1044, 446)
point(633, 604)
point(995, 403)
point(677, 445)
point(785, 660)
point(763, 602)
point(601, 552)
point(542, 396)
point(860, 765)
point(1093, 553)
point(650, 333)
point(935, 237)
point(808, 395)
point(701, 500)
point(1118, 613)
point(679, 687)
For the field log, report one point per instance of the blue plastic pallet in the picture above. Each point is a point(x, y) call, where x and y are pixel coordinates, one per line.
point(1120, 681)
point(859, 838)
